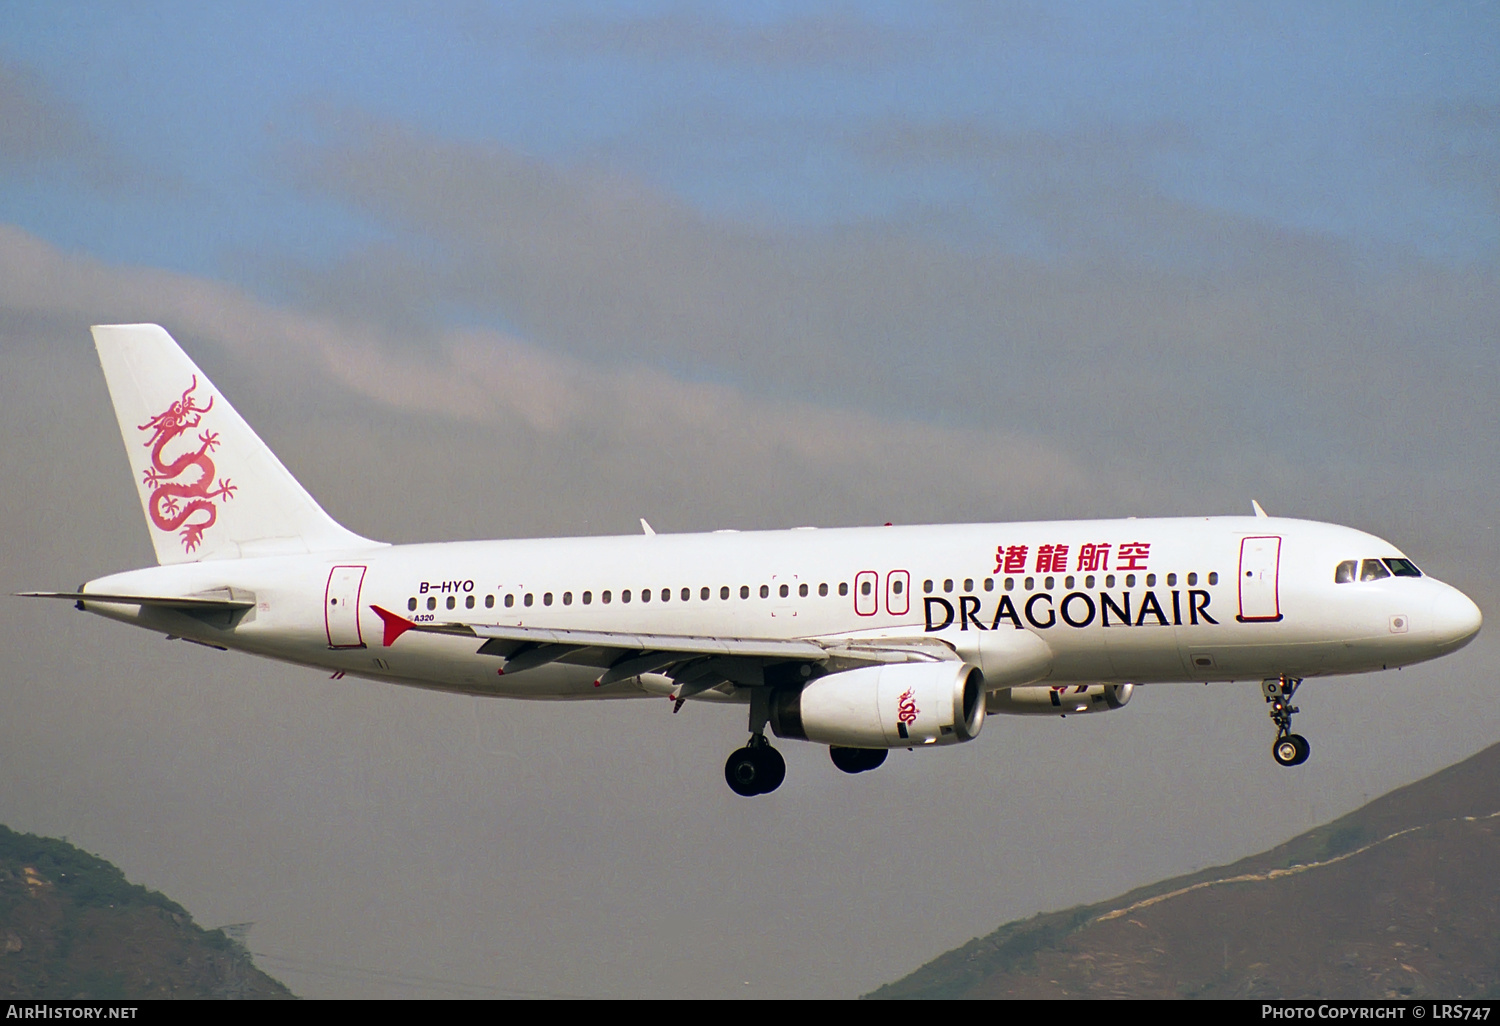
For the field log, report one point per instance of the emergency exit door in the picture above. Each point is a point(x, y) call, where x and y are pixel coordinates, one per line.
point(1260, 565)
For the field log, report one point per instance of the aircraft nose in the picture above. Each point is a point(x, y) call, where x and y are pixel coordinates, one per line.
point(1455, 617)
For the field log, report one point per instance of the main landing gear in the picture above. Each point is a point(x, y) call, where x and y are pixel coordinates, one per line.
point(1289, 749)
point(757, 768)
point(856, 760)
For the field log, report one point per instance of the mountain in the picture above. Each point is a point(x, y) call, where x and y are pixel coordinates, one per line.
point(72, 926)
point(1400, 898)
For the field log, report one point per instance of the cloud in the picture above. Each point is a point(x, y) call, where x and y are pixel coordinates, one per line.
point(693, 451)
point(1253, 355)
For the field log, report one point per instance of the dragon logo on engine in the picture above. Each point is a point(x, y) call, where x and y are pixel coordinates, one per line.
point(176, 503)
point(906, 712)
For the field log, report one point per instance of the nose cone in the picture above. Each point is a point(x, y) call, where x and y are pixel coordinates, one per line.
point(1455, 618)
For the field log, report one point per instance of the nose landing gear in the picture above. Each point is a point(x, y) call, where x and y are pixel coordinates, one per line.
point(1288, 749)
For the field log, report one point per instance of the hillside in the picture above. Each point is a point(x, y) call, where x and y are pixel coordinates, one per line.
point(1399, 898)
point(71, 926)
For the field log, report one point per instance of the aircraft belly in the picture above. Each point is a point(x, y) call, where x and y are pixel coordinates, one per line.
point(1146, 653)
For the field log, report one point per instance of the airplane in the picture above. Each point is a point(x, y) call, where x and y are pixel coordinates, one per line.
point(863, 639)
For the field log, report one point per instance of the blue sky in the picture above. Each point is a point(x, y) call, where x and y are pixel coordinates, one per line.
point(1368, 123)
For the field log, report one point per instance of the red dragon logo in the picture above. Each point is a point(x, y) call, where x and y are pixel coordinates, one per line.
point(906, 710)
point(167, 506)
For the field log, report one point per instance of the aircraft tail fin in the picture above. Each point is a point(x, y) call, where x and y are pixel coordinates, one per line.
point(210, 488)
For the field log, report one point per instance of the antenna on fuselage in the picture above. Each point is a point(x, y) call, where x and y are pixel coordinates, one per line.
point(647, 527)
point(1253, 505)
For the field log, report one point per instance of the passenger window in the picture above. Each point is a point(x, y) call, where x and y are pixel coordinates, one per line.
point(547, 599)
point(1010, 584)
point(625, 595)
point(431, 602)
point(802, 590)
point(1403, 567)
point(724, 592)
point(948, 584)
point(451, 603)
point(527, 600)
point(927, 587)
point(1171, 580)
point(411, 603)
point(567, 598)
point(765, 591)
point(989, 584)
point(744, 591)
point(1150, 580)
point(588, 597)
point(510, 600)
point(1051, 583)
point(1109, 580)
point(1030, 583)
point(1213, 577)
point(1088, 582)
point(843, 587)
point(896, 586)
point(1130, 580)
point(785, 591)
point(703, 595)
point(1344, 572)
point(968, 584)
point(489, 602)
point(687, 593)
point(469, 602)
point(645, 594)
point(823, 590)
point(1373, 570)
point(1192, 580)
point(864, 588)
point(1068, 583)
point(604, 597)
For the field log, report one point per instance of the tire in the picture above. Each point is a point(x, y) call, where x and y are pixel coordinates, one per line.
point(1290, 750)
point(850, 760)
point(1303, 748)
point(742, 772)
point(772, 768)
point(856, 760)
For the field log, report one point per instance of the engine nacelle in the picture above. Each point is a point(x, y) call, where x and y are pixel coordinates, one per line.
point(1059, 701)
point(902, 705)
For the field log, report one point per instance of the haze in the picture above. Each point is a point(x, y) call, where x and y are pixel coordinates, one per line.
point(533, 270)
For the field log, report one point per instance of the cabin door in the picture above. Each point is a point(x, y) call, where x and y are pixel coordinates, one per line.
point(341, 606)
point(1260, 565)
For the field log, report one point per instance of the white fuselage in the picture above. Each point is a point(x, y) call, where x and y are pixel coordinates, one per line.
point(1066, 602)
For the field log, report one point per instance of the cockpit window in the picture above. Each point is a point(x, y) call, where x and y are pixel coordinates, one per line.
point(1403, 568)
point(1345, 571)
point(1373, 570)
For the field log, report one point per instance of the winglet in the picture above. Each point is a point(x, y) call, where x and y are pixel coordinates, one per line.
point(1258, 511)
point(395, 625)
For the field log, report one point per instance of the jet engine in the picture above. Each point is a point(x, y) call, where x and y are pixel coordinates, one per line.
point(902, 705)
point(1059, 701)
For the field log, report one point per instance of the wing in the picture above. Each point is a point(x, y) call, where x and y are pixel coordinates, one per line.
point(687, 659)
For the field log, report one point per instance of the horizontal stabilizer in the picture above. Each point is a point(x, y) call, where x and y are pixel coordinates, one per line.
point(160, 601)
